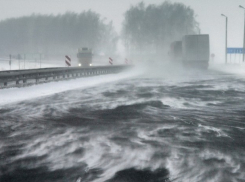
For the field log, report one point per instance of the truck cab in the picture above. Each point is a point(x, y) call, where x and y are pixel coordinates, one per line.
point(175, 52)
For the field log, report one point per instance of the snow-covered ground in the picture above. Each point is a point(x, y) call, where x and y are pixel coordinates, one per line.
point(238, 69)
point(11, 95)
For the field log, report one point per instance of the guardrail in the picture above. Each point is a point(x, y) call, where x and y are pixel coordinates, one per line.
point(19, 78)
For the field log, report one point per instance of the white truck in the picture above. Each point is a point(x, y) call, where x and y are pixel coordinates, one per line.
point(84, 56)
point(195, 51)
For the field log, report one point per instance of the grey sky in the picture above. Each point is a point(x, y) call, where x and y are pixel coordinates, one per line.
point(207, 11)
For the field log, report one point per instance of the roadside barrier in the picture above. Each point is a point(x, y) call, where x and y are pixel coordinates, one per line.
point(19, 78)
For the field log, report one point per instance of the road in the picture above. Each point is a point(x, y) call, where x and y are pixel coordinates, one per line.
point(171, 126)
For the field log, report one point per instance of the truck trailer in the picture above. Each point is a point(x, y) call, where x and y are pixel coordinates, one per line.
point(195, 51)
point(192, 51)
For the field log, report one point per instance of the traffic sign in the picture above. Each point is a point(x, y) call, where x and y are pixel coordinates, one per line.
point(111, 61)
point(68, 61)
point(233, 50)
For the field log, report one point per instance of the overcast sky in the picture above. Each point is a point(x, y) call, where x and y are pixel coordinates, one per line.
point(208, 15)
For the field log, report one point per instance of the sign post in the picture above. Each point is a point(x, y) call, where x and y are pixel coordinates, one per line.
point(10, 61)
point(225, 37)
point(110, 61)
point(40, 60)
point(68, 60)
point(24, 61)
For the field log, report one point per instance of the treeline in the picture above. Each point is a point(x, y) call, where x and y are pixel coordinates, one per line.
point(145, 29)
point(152, 28)
point(49, 34)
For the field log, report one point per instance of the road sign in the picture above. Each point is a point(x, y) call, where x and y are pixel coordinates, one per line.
point(111, 61)
point(68, 60)
point(234, 50)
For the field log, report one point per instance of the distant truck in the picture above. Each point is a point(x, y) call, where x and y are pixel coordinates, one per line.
point(176, 51)
point(84, 56)
point(192, 51)
point(195, 50)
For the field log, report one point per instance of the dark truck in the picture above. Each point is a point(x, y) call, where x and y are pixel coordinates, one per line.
point(192, 51)
point(195, 51)
point(176, 51)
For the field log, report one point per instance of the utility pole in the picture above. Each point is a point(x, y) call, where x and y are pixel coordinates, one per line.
point(225, 37)
point(243, 58)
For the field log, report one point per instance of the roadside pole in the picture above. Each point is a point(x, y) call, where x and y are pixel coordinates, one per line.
point(24, 61)
point(243, 58)
point(40, 60)
point(226, 23)
point(19, 60)
point(10, 61)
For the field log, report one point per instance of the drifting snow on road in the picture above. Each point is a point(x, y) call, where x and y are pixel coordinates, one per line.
point(186, 126)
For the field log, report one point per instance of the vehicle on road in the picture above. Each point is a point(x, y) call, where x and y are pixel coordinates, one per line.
point(84, 56)
point(192, 51)
point(195, 51)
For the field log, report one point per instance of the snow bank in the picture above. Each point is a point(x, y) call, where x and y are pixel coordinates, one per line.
point(237, 69)
point(11, 95)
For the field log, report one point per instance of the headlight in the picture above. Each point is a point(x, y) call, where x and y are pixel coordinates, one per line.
point(79, 64)
point(90, 64)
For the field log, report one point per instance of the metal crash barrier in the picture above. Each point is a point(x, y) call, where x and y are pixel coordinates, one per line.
point(19, 78)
